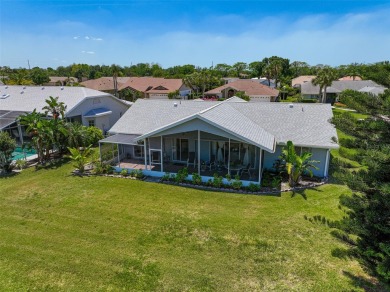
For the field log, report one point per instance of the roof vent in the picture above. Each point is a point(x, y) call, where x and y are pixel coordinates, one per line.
point(62, 88)
point(175, 104)
point(43, 87)
point(4, 96)
point(290, 105)
point(24, 87)
point(22, 92)
point(6, 87)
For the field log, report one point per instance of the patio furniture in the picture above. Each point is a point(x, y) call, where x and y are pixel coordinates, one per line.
point(191, 159)
point(247, 170)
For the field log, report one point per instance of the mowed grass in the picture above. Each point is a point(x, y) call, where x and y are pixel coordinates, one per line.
point(62, 232)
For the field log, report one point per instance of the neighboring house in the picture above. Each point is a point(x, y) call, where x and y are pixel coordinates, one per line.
point(147, 87)
point(310, 91)
point(298, 81)
point(261, 80)
point(252, 88)
point(61, 81)
point(86, 106)
point(350, 78)
point(232, 137)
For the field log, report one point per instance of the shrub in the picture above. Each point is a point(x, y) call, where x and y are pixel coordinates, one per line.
point(137, 173)
point(253, 187)
point(124, 172)
point(93, 135)
point(166, 177)
point(237, 183)
point(217, 181)
point(196, 179)
point(275, 183)
point(20, 164)
point(181, 175)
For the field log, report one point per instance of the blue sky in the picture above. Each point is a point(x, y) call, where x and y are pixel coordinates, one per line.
point(176, 32)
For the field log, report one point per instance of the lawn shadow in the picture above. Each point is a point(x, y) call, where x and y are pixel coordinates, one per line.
point(8, 175)
point(52, 164)
point(364, 283)
point(343, 253)
point(302, 192)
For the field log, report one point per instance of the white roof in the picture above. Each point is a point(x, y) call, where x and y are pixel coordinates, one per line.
point(27, 98)
point(258, 123)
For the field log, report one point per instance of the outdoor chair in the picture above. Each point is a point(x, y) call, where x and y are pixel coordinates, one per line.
point(247, 170)
point(191, 159)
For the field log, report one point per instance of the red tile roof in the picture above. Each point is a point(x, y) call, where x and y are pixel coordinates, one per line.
point(250, 87)
point(142, 84)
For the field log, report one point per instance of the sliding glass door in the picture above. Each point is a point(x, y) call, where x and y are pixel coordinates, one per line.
point(182, 148)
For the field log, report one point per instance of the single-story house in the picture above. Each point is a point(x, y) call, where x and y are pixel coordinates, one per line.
point(86, 106)
point(255, 90)
point(147, 87)
point(298, 81)
point(310, 91)
point(61, 81)
point(233, 136)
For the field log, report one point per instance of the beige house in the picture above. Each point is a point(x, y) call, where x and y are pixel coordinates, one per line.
point(255, 90)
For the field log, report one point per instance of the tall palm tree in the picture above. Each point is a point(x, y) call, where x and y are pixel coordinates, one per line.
point(324, 79)
point(115, 72)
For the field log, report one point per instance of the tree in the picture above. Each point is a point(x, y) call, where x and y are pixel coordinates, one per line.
point(239, 68)
point(79, 157)
point(115, 72)
point(7, 146)
point(203, 80)
point(296, 164)
point(39, 76)
point(324, 79)
point(223, 69)
point(256, 69)
point(54, 107)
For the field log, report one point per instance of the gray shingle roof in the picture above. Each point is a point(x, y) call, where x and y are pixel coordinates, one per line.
point(338, 86)
point(262, 123)
point(28, 98)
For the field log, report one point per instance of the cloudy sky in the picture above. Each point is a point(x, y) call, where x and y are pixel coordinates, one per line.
point(200, 32)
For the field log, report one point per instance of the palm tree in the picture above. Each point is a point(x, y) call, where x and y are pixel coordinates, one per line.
point(296, 164)
point(115, 72)
point(54, 107)
point(324, 79)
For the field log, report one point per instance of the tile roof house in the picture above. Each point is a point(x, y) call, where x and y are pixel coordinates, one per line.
point(60, 81)
point(295, 82)
point(84, 105)
point(161, 136)
point(149, 87)
point(255, 90)
point(308, 90)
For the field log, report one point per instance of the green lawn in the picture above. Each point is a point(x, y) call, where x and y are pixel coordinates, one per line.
point(61, 232)
point(354, 114)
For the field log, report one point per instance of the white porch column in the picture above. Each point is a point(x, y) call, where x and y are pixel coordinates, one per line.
point(145, 157)
point(199, 152)
point(162, 156)
point(229, 158)
point(260, 163)
point(119, 158)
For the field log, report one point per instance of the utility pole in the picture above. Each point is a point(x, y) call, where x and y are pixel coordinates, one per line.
point(28, 62)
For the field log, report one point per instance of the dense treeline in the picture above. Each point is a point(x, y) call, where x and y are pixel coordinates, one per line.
point(366, 227)
point(277, 68)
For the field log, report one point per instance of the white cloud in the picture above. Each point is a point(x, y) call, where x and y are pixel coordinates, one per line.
point(88, 52)
point(76, 37)
point(86, 37)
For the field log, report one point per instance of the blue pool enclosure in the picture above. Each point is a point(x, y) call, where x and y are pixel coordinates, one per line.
point(20, 153)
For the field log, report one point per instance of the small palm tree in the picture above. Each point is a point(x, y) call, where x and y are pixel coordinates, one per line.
point(54, 107)
point(296, 164)
point(79, 157)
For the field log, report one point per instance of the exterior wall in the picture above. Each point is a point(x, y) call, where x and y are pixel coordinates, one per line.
point(118, 109)
point(158, 96)
point(319, 154)
point(260, 98)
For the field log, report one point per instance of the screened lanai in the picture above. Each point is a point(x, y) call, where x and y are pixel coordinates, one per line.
point(199, 151)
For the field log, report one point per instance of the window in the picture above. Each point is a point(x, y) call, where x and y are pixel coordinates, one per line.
point(138, 151)
point(91, 123)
